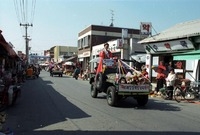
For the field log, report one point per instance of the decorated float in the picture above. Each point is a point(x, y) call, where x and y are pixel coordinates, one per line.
point(119, 80)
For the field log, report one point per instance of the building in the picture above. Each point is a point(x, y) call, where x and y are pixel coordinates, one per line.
point(61, 53)
point(95, 35)
point(180, 45)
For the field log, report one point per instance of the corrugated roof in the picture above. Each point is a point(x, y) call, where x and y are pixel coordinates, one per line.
point(181, 30)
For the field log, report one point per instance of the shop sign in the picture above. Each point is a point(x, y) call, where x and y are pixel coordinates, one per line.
point(112, 47)
point(80, 55)
point(146, 28)
point(120, 44)
point(86, 54)
point(80, 59)
point(172, 46)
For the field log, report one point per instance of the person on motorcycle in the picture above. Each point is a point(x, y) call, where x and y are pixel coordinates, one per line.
point(76, 72)
point(51, 66)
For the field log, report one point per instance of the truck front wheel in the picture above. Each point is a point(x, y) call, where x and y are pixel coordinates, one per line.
point(93, 90)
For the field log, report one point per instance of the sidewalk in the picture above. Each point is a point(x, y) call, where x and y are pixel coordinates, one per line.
point(158, 96)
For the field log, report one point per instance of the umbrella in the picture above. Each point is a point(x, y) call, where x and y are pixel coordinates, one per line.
point(68, 63)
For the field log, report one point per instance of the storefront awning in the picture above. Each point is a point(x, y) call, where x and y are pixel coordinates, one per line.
point(6, 46)
point(70, 58)
point(192, 55)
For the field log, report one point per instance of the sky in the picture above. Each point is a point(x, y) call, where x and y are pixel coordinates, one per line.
point(58, 22)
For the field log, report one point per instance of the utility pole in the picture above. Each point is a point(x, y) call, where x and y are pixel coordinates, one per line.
point(26, 40)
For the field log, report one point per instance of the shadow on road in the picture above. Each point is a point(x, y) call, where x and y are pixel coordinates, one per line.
point(40, 105)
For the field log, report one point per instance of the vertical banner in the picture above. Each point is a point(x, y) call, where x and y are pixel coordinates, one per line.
point(124, 33)
point(124, 36)
point(119, 44)
point(146, 28)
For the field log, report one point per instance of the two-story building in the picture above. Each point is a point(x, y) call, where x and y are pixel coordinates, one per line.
point(61, 53)
point(95, 35)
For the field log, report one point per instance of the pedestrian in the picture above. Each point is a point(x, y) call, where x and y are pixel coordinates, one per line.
point(169, 66)
point(160, 76)
point(170, 80)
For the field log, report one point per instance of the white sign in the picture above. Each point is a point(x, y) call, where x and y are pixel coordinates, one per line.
point(134, 88)
point(146, 28)
point(124, 33)
point(112, 47)
point(172, 46)
point(108, 62)
point(119, 44)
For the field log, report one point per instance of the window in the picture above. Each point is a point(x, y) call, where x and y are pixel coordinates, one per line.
point(85, 41)
point(79, 44)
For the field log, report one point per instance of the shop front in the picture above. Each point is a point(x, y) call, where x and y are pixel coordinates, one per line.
point(190, 58)
point(8, 57)
point(83, 59)
point(176, 45)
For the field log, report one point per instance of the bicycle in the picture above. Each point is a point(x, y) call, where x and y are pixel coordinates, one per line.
point(187, 92)
point(165, 92)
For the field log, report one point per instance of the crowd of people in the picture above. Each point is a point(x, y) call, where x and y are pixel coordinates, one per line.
point(165, 78)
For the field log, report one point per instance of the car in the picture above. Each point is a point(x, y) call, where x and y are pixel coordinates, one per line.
point(119, 82)
point(57, 72)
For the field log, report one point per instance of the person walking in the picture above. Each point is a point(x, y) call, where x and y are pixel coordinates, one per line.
point(160, 76)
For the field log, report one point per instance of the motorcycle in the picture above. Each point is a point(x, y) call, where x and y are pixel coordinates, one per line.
point(76, 73)
point(75, 76)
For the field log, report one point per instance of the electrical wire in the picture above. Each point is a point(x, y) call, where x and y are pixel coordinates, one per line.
point(25, 11)
point(33, 10)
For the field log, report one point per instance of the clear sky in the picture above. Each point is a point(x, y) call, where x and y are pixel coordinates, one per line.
point(58, 22)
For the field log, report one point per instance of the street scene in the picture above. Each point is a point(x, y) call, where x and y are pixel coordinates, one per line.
point(86, 67)
point(63, 105)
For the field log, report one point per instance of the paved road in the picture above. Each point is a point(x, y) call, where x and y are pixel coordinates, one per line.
point(63, 105)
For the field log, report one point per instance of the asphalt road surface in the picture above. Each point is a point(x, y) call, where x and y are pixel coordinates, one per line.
point(63, 106)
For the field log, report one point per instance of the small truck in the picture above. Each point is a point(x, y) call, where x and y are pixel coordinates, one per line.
point(119, 82)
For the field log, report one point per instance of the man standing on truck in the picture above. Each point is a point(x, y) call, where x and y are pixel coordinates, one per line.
point(104, 54)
